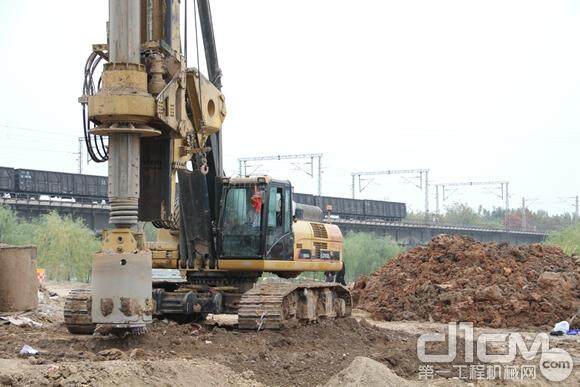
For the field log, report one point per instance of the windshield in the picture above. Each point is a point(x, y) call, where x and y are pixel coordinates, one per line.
point(242, 220)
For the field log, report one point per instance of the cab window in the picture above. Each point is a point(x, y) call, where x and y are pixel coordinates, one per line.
point(287, 210)
point(241, 225)
point(275, 217)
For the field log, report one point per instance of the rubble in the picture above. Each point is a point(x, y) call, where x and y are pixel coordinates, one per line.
point(455, 278)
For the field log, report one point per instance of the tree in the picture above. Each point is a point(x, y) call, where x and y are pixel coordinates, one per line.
point(568, 239)
point(64, 245)
point(365, 252)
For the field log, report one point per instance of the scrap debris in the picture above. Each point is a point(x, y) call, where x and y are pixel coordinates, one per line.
point(21, 321)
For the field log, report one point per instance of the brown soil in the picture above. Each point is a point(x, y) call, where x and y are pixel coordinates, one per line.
point(199, 373)
point(307, 355)
point(369, 373)
point(172, 354)
point(455, 278)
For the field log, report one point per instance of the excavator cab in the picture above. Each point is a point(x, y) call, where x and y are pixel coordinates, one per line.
point(256, 219)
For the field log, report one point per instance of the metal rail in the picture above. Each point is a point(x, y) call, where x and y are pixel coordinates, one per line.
point(52, 203)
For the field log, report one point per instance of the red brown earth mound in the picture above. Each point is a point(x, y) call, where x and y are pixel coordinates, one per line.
point(455, 278)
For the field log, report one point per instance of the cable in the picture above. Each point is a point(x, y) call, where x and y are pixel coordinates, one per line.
point(97, 153)
point(34, 130)
point(40, 150)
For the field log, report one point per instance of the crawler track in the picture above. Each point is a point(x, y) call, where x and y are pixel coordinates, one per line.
point(77, 312)
point(265, 307)
point(280, 305)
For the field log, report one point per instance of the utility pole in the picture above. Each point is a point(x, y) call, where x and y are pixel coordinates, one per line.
point(575, 202)
point(320, 175)
point(80, 154)
point(426, 172)
point(524, 217)
point(507, 196)
point(243, 164)
point(437, 199)
point(525, 203)
point(505, 185)
point(423, 181)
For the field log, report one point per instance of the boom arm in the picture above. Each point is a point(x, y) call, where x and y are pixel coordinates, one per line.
point(213, 69)
point(215, 76)
point(159, 116)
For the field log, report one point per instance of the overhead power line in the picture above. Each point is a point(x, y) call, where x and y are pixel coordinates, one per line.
point(243, 164)
point(36, 130)
point(502, 184)
point(423, 180)
point(19, 149)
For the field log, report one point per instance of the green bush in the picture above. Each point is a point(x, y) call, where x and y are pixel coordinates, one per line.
point(365, 252)
point(64, 245)
point(568, 239)
point(12, 230)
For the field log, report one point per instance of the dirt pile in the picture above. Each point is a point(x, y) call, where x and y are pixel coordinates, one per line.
point(455, 278)
point(368, 372)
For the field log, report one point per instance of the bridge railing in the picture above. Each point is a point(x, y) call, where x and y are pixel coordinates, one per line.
point(410, 224)
point(51, 202)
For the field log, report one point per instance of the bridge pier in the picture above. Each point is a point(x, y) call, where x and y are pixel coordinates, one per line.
point(95, 216)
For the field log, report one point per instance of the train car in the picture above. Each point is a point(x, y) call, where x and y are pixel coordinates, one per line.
point(348, 208)
point(343, 207)
point(73, 185)
point(95, 186)
point(304, 199)
point(29, 181)
point(55, 183)
point(90, 187)
point(67, 184)
point(6, 179)
point(384, 210)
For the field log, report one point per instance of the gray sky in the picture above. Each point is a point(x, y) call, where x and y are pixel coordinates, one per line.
point(470, 89)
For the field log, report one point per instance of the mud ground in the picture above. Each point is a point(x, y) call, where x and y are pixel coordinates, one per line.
point(191, 354)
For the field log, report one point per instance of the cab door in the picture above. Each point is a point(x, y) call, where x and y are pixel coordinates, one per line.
point(279, 236)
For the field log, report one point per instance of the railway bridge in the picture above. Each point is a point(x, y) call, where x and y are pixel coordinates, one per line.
point(96, 216)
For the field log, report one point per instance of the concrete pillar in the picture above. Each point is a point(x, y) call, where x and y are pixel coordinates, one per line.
point(18, 283)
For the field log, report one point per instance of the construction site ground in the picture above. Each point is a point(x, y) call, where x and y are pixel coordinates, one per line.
point(355, 351)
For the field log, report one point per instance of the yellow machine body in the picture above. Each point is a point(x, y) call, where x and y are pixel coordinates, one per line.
point(312, 252)
point(161, 122)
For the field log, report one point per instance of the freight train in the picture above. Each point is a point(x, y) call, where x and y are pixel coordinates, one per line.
point(34, 183)
point(346, 208)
